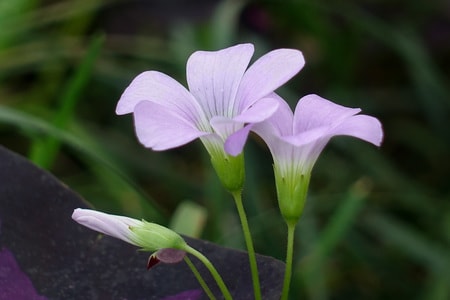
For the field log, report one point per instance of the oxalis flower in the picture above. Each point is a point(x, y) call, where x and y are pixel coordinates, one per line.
point(224, 97)
point(167, 245)
point(297, 139)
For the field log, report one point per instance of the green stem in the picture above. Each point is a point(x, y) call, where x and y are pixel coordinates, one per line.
point(212, 270)
point(199, 277)
point(248, 240)
point(289, 255)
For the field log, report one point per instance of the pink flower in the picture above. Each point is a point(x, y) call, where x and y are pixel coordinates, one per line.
point(297, 139)
point(223, 97)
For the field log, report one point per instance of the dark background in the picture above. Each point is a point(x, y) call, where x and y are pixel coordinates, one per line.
point(377, 221)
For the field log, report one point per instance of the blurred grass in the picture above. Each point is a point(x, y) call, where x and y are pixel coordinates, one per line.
point(43, 151)
point(376, 225)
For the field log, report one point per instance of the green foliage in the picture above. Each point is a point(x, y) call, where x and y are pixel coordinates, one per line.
point(376, 222)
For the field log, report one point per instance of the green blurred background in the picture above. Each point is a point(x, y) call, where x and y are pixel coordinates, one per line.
point(377, 221)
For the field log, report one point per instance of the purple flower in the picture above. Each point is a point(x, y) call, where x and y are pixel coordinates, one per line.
point(223, 96)
point(168, 245)
point(297, 139)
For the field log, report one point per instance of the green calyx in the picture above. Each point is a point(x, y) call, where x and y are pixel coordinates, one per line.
point(229, 169)
point(292, 188)
point(152, 237)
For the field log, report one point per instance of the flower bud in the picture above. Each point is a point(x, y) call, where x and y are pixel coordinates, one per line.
point(151, 237)
point(148, 236)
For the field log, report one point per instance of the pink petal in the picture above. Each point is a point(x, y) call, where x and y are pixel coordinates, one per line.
point(267, 74)
point(159, 88)
point(363, 127)
point(214, 77)
point(234, 144)
point(160, 128)
point(314, 111)
point(225, 127)
point(112, 225)
point(309, 136)
point(316, 118)
point(259, 111)
point(279, 124)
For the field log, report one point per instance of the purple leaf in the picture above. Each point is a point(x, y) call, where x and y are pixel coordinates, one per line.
point(187, 295)
point(15, 284)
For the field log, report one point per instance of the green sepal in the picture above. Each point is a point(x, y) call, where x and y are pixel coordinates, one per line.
point(152, 237)
point(292, 188)
point(230, 170)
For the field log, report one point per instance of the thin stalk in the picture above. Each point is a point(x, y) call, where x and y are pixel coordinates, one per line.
point(248, 240)
point(223, 288)
point(289, 255)
point(199, 277)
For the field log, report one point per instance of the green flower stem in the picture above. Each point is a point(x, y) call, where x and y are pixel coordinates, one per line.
point(248, 240)
point(289, 255)
point(212, 270)
point(199, 278)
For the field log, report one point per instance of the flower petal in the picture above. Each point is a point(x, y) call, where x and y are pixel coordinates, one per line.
point(234, 144)
point(309, 136)
point(225, 127)
point(162, 89)
point(112, 225)
point(316, 119)
point(214, 77)
point(259, 111)
point(313, 111)
point(363, 127)
point(160, 128)
point(297, 140)
point(267, 74)
point(279, 124)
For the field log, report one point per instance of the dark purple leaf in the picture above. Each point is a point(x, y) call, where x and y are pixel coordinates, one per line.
point(65, 260)
point(14, 284)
